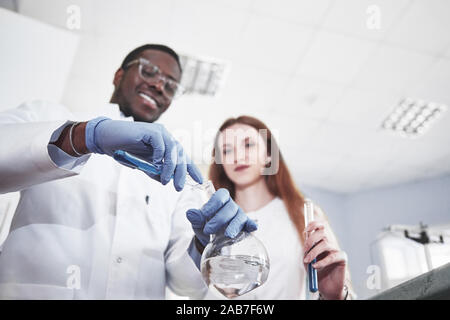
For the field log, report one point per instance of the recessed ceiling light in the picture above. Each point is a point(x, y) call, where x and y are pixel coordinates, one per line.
point(203, 76)
point(412, 118)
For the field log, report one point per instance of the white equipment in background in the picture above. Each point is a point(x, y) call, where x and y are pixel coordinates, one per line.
point(403, 252)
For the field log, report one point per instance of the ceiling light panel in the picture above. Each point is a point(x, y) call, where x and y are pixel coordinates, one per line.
point(412, 118)
point(203, 76)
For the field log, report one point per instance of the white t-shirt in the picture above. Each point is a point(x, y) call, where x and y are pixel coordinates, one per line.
point(287, 275)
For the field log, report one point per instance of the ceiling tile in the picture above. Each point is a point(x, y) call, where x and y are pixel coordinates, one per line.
point(367, 18)
point(440, 130)
point(439, 167)
point(339, 139)
point(294, 135)
point(373, 145)
point(421, 151)
point(338, 185)
point(392, 68)
point(354, 173)
point(434, 84)
point(143, 18)
point(272, 44)
point(447, 52)
point(424, 27)
point(203, 28)
point(334, 57)
point(251, 88)
point(366, 164)
point(243, 5)
point(311, 165)
point(346, 178)
point(50, 11)
point(364, 108)
point(396, 174)
point(309, 96)
point(303, 11)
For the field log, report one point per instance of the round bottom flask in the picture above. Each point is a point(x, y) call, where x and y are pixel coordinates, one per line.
point(233, 266)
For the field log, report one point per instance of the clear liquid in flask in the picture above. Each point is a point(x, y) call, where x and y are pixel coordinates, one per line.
point(235, 275)
point(233, 266)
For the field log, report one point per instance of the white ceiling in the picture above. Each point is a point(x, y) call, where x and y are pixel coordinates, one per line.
point(311, 70)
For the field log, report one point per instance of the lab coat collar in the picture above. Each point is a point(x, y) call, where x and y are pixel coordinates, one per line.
point(113, 112)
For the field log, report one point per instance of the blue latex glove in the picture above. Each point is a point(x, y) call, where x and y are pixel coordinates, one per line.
point(149, 141)
point(219, 212)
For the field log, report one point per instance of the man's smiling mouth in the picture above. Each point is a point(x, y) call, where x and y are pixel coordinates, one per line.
point(151, 102)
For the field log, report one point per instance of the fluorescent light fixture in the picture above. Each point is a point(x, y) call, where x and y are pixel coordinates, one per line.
point(412, 118)
point(203, 76)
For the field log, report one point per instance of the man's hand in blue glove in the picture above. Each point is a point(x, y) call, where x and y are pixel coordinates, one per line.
point(149, 141)
point(219, 212)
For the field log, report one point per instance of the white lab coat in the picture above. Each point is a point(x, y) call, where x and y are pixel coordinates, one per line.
point(92, 230)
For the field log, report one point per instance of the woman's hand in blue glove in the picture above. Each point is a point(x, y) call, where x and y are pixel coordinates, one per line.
point(218, 213)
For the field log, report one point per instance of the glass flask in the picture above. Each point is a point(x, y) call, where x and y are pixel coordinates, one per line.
point(233, 266)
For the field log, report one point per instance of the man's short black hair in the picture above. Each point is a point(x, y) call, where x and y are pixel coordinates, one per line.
point(135, 53)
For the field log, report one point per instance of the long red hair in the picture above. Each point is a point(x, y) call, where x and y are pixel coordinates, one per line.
point(279, 184)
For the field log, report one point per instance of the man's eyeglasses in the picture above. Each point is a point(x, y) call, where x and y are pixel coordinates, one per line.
point(151, 73)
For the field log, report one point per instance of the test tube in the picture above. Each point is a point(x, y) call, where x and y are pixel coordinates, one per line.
point(308, 212)
point(135, 163)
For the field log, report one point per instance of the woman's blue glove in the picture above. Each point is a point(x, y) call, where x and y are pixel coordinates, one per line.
point(219, 212)
point(149, 141)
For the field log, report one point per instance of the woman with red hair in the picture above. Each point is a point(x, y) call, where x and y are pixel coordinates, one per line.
point(248, 163)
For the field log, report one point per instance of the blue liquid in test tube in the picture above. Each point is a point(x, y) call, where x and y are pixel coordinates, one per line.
point(134, 162)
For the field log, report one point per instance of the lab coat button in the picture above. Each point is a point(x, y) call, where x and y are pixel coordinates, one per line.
point(147, 199)
point(119, 260)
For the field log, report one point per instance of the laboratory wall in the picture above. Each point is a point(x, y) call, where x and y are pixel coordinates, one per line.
point(359, 217)
point(36, 59)
point(332, 205)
